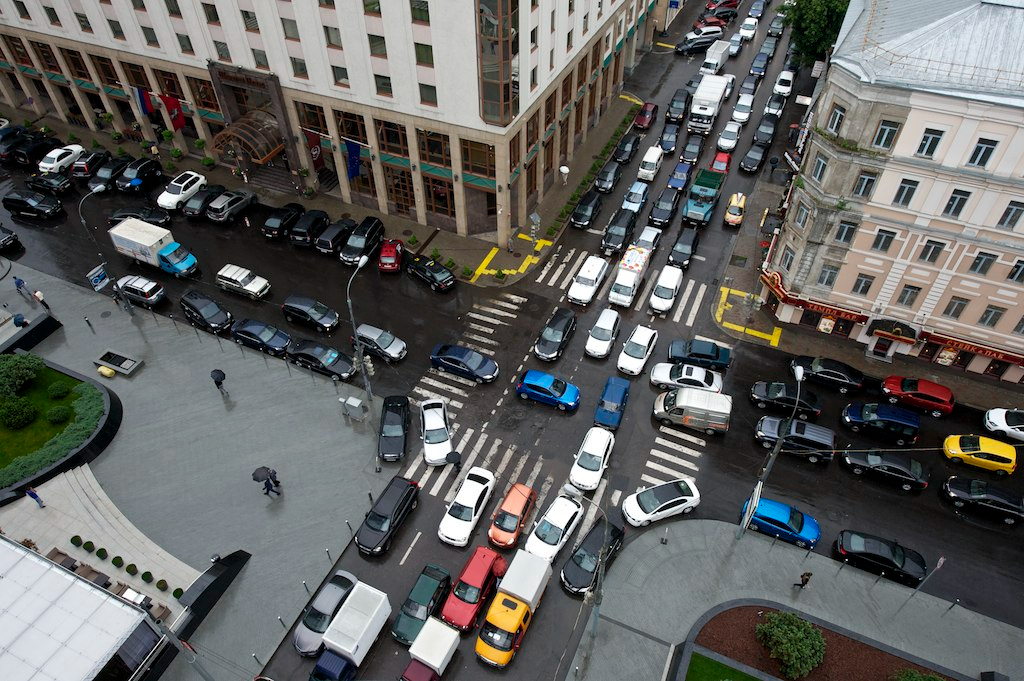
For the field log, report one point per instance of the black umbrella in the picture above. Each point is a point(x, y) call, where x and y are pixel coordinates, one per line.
point(260, 474)
point(217, 375)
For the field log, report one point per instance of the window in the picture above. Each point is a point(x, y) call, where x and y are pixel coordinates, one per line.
point(478, 158)
point(428, 94)
point(991, 316)
point(533, 78)
point(568, 41)
point(982, 153)
point(1011, 216)
point(788, 256)
point(291, 29)
point(1017, 272)
point(845, 232)
point(1019, 329)
point(340, 74)
point(929, 142)
point(827, 276)
point(931, 251)
point(383, 84)
point(886, 134)
point(956, 203)
point(420, 11)
point(802, 213)
point(371, 6)
point(905, 193)
point(982, 263)
point(115, 29)
point(955, 307)
point(865, 185)
point(326, 3)
point(332, 35)
point(173, 8)
point(424, 54)
point(83, 22)
point(150, 35)
point(299, 67)
point(377, 46)
point(250, 20)
point(883, 240)
point(835, 119)
point(259, 57)
point(586, 23)
point(533, 37)
point(863, 284)
point(820, 166)
point(139, 5)
point(211, 13)
point(51, 14)
point(23, 10)
point(223, 53)
point(185, 44)
point(908, 295)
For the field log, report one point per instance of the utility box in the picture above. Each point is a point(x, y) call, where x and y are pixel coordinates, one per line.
point(353, 407)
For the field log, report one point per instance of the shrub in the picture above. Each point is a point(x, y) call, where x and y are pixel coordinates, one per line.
point(161, 584)
point(17, 412)
point(119, 151)
point(552, 231)
point(72, 138)
point(208, 162)
point(450, 264)
point(178, 592)
point(913, 675)
point(795, 643)
point(76, 540)
point(435, 254)
point(467, 272)
point(117, 561)
point(17, 370)
point(117, 136)
point(101, 553)
point(303, 172)
point(147, 576)
point(131, 569)
point(170, 167)
point(168, 135)
point(58, 390)
point(58, 414)
point(500, 275)
point(413, 240)
point(96, 144)
point(89, 546)
point(199, 144)
point(308, 192)
point(177, 153)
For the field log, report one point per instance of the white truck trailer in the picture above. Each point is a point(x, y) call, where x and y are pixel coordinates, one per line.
point(356, 626)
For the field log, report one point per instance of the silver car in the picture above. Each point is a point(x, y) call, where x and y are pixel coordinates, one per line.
point(309, 632)
point(230, 204)
point(140, 290)
point(381, 343)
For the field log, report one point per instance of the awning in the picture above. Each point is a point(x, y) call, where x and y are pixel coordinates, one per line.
point(894, 330)
point(256, 133)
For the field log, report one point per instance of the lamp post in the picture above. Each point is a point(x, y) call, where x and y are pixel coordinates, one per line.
point(118, 293)
point(360, 358)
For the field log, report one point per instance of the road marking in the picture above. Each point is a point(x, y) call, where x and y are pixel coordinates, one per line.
point(682, 301)
point(712, 340)
point(613, 501)
point(543, 493)
point(698, 257)
point(572, 272)
point(434, 371)
point(444, 469)
point(647, 290)
point(467, 463)
point(684, 436)
point(479, 348)
point(494, 310)
point(674, 459)
point(444, 386)
point(650, 480)
point(674, 475)
point(696, 305)
point(588, 518)
point(434, 396)
point(561, 267)
point(505, 459)
point(409, 550)
point(594, 230)
point(485, 318)
point(548, 264)
point(480, 339)
point(683, 449)
point(514, 475)
point(479, 327)
point(534, 473)
point(513, 297)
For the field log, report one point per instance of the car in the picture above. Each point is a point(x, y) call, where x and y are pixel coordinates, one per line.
point(830, 372)
point(196, 206)
point(730, 84)
point(61, 159)
point(936, 400)
point(980, 497)
point(154, 216)
point(308, 228)
point(766, 127)
point(603, 334)
point(281, 220)
point(308, 638)
point(473, 588)
point(669, 137)
point(757, 9)
point(386, 516)
point(680, 176)
point(89, 163)
point(716, 32)
point(17, 138)
point(626, 149)
point(637, 349)
point(892, 468)
point(380, 343)
point(882, 421)
point(463, 361)
point(309, 312)
point(678, 107)
point(721, 162)
point(389, 258)
point(139, 175)
point(393, 433)
point(715, 4)
point(769, 46)
point(466, 507)
point(323, 359)
point(619, 231)
point(31, 204)
point(735, 210)
point(611, 406)
point(692, 85)
point(784, 84)
point(436, 275)
point(109, 173)
point(435, 431)
point(664, 209)
point(748, 29)
point(8, 239)
point(49, 182)
point(180, 190)
point(636, 197)
point(546, 388)
point(691, 151)
point(608, 177)
point(645, 117)
point(759, 65)
point(736, 43)
point(754, 158)
point(666, 288)
point(510, 518)
point(364, 240)
point(204, 312)
point(555, 335)
point(260, 336)
point(723, 13)
point(668, 375)
point(784, 522)
point(777, 26)
point(685, 248)
point(744, 105)
point(595, 553)
point(586, 210)
point(588, 280)
point(228, 205)
point(729, 136)
point(881, 557)
point(661, 501)
point(1007, 422)
point(705, 21)
point(591, 460)
point(775, 105)
point(815, 443)
point(553, 529)
point(694, 45)
point(425, 598)
point(33, 150)
point(702, 353)
point(982, 452)
point(141, 291)
point(649, 238)
point(783, 397)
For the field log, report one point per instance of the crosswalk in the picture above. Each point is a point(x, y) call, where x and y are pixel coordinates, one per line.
point(675, 454)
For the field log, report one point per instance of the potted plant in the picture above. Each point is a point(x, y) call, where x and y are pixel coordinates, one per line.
point(178, 592)
point(199, 144)
point(131, 569)
point(117, 136)
point(89, 546)
point(303, 172)
point(208, 162)
point(117, 561)
point(147, 576)
point(177, 153)
point(161, 584)
point(76, 540)
point(170, 167)
point(168, 135)
point(72, 138)
point(101, 553)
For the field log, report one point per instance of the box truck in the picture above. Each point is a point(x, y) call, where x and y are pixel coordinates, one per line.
point(513, 608)
point(356, 626)
point(715, 57)
point(431, 651)
point(152, 245)
point(629, 276)
point(707, 102)
point(693, 408)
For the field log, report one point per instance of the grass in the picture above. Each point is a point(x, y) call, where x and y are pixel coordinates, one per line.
point(705, 669)
point(33, 436)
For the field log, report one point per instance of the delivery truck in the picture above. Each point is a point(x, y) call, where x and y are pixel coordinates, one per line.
point(431, 651)
point(707, 102)
point(629, 276)
point(152, 245)
point(356, 626)
point(703, 197)
point(715, 57)
point(513, 609)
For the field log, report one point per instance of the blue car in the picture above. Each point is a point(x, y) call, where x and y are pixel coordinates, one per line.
point(465, 362)
point(541, 386)
point(785, 522)
point(612, 404)
point(680, 176)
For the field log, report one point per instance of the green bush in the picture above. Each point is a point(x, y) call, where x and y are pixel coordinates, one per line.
point(101, 553)
point(72, 138)
point(552, 231)
point(500, 276)
point(89, 546)
point(413, 240)
point(17, 370)
point(178, 592)
point(177, 153)
point(96, 144)
point(117, 561)
point(161, 584)
point(131, 569)
point(435, 254)
point(208, 162)
point(17, 412)
point(168, 135)
point(467, 272)
point(116, 136)
point(119, 151)
point(199, 144)
point(147, 576)
point(796, 643)
point(913, 675)
point(58, 390)
point(76, 540)
point(170, 167)
point(450, 263)
point(58, 414)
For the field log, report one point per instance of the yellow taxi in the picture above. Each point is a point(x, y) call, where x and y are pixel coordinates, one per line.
point(737, 206)
point(503, 631)
point(983, 452)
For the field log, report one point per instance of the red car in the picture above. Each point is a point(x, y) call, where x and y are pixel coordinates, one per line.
point(473, 588)
point(710, 21)
point(722, 162)
point(935, 399)
point(390, 258)
point(646, 116)
point(715, 4)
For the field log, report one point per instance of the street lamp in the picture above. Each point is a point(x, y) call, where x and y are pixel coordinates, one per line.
point(360, 358)
point(119, 295)
point(98, 189)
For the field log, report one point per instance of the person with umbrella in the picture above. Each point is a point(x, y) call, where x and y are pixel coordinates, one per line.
point(218, 377)
point(268, 476)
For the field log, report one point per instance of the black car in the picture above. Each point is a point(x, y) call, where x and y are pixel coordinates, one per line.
point(311, 312)
point(281, 220)
point(34, 150)
point(980, 497)
point(759, 65)
point(766, 127)
point(555, 335)
point(392, 507)
point(140, 174)
point(322, 359)
point(691, 152)
point(608, 177)
point(49, 183)
point(769, 46)
point(8, 239)
point(364, 241)
point(586, 210)
point(201, 200)
point(669, 138)
point(89, 162)
point(30, 204)
point(831, 372)
point(782, 397)
point(204, 312)
point(726, 14)
point(692, 85)
point(892, 468)
point(308, 227)
point(602, 543)
point(754, 158)
point(700, 353)
point(749, 85)
point(108, 173)
point(150, 214)
point(626, 148)
point(684, 248)
point(679, 106)
point(881, 556)
point(260, 336)
point(434, 273)
point(777, 26)
point(619, 231)
point(665, 207)
point(18, 137)
point(394, 428)
point(695, 45)
point(11, 131)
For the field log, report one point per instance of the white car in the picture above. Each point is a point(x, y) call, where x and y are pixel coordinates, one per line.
point(744, 106)
point(730, 136)
point(637, 350)
point(1007, 422)
point(242, 281)
point(666, 288)
point(735, 44)
point(467, 507)
point(784, 84)
point(602, 336)
point(591, 459)
point(748, 28)
point(705, 32)
point(668, 375)
point(180, 190)
point(775, 104)
point(660, 501)
point(649, 238)
point(588, 280)
point(730, 84)
point(554, 528)
point(61, 158)
point(437, 438)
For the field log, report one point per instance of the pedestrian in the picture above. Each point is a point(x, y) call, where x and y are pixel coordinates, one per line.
point(19, 284)
point(218, 377)
point(268, 487)
point(32, 494)
point(804, 578)
point(273, 478)
point(564, 170)
point(38, 295)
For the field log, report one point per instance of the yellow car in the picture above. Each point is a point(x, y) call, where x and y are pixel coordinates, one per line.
point(734, 213)
point(983, 452)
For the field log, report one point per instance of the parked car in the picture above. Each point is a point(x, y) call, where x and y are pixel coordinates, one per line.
point(588, 280)
point(759, 65)
point(748, 29)
point(467, 507)
point(777, 26)
point(749, 86)
point(882, 421)
point(61, 159)
point(736, 44)
point(881, 556)
point(730, 136)
point(380, 343)
point(31, 153)
point(626, 149)
point(555, 335)
point(1007, 422)
point(473, 588)
point(936, 400)
point(510, 519)
point(603, 334)
point(322, 359)
point(666, 289)
point(775, 105)
point(783, 397)
point(815, 443)
point(308, 227)
point(982, 452)
point(611, 406)
point(678, 107)
point(636, 197)
point(281, 220)
point(646, 116)
point(31, 204)
point(196, 206)
point(89, 163)
point(139, 175)
point(830, 372)
point(637, 349)
point(545, 388)
point(49, 182)
point(180, 190)
point(364, 241)
point(591, 459)
point(658, 502)
point(743, 106)
point(553, 529)
point(389, 259)
point(597, 550)
point(892, 468)
point(154, 216)
point(586, 210)
point(205, 312)
point(463, 361)
point(784, 84)
point(721, 162)
point(716, 32)
point(109, 173)
point(140, 290)
point(701, 353)
point(393, 433)
point(754, 158)
point(439, 277)
point(309, 312)
point(230, 204)
point(784, 522)
point(8, 239)
point(308, 639)
point(692, 44)
point(978, 496)
point(649, 238)
point(435, 432)
point(669, 375)
point(669, 137)
point(261, 336)
point(757, 9)
point(735, 210)
point(608, 177)
point(386, 516)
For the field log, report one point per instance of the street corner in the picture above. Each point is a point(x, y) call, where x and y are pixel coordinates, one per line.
point(502, 266)
point(736, 311)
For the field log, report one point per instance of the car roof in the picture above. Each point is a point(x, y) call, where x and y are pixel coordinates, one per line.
point(538, 377)
point(479, 565)
point(615, 387)
point(607, 316)
point(642, 334)
point(561, 509)
point(775, 510)
point(515, 501)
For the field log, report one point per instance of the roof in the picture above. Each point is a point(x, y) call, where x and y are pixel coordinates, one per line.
point(962, 48)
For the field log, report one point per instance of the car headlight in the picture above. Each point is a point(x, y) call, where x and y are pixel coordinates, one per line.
point(377, 549)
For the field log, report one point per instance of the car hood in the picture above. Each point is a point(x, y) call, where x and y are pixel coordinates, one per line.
point(575, 578)
point(279, 341)
point(455, 530)
point(769, 426)
point(541, 549)
point(351, 252)
point(391, 447)
point(307, 642)
point(572, 395)
point(406, 628)
point(458, 612)
point(613, 240)
point(368, 538)
point(342, 365)
point(598, 347)
point(585, 480)
point(546, 348)
point(221, 319)
point(437, 454)
point(489, 371)
point(631, 510)
point(603, 417)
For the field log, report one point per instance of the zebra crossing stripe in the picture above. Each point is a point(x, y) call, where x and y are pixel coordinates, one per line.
point(542, 494)
point(494, 310)
point(466, 463)
point(444, 386)
point(480, 328)
point(651, 480)
point(572, 271)
point(479, 348)
point(673, 474)
point(480, 339)
point(505, 459)
point(712, 340)
point(513, 477)
point(513, 297)
point(678, 447)
point(674, 459)
point(682, 436)
point(682, 301)
point(434, 371)
point(613, 501)
point(434, 396)
point(547, 266)
point(592, 507)
point(532, 477)
point(561, 266)
point(485, 318)
point(696, 304)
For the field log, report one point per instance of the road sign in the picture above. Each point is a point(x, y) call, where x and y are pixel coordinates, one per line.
point(98, 277)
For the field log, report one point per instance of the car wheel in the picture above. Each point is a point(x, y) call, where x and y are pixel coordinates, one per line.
point(710, 431)
point(855, 429)
point(288, 318)
point(178, 206)
point(254, 296)
point(755, 527)
point(335, 377)
point(802, 416)
point(1001, 474)
point(524, 396)
point(936, 414)
point(433, 287)
point(443, 370)
point(857, 470)
point(688, 509)
point(238, 340)
point(645, 523)
point(767, 445)
point(662, 386)
point(1009, 520)
point(906, 487)
point(893, 400)
point(561, 407)
point(901, 442)
point(814, 458)
point(415, 503)
point(958, 503)
point(761, 405)
point(801, 544)
point(956, 459)
point(843, 390)
point(665, 422)
point(478, 380)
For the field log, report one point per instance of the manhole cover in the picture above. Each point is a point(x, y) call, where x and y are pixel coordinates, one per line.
point(406, 232)
point(738, 261)
point(105, 314)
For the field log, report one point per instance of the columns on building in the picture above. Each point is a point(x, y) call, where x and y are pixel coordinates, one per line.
point(458, 188)
point(340, 164)
point(179, 138)
point(415, 168)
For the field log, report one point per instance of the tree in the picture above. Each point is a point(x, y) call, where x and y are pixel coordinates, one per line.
point(16, 371)
point(815, 25)
point(796, 643)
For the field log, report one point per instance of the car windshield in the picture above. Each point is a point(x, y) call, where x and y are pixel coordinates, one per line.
point(743, 107)
point(551, 334)
point(616, 230)
point(586, 560)
point(376, 521)
point(316, 621)
point(735, 210)
point(558, 387)
point(608, 405)
point(908, 385)
point(730, 134)
point(393, 426)
point(589, 461)
point(384, 340)
point(357, 241)
point(664, 204)
point(683, 249)
point(174, 189)
point(584, 210)
point(327, 356)
point(548, 533)
point(585, 281)
point(266, 333)
point(663, 291)
point(1014, 417)
point(634, 349)
point(634, 197)
point(654, 498)
point(474, 361)
point(105, 172)
point(177, 255)
point(601, 333)
point(506, 521)
point(387, 259)
point(796, 519)
point(692, 147)
point(197, 201)
point(209, 309)
point(414, 609)
point(130, 172)
point(466, 592)
point(460, 511)
point(247, 279)
point(318, 311)
point(498, 639)
point(435, 436)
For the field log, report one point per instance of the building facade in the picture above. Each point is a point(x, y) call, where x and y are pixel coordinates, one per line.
point(905, 228)
point(454, 114)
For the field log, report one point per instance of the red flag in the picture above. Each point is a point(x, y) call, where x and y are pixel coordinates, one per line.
point(315, 151)
point(173, 105)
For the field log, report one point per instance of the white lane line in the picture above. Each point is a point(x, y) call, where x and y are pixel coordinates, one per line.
point(696, 304)
point(543, 493)
point(683, 436)
point(651, 480)
point(532, 477)
point(494, 310)
point(682, 449)
point(674, 460)
point(505, 459)
point(490, 455)
point(485, 318)
point(613, 500)
point(479, 348)
point(682, 302)
point(698, 257)
point(480, 328)
point(712, 340)
point(594, 230)
point(573, 270)
point(480, 339)
point(434, 396)
point(427, 474)
point(411, 469)
point(513, 477)
point(548, 264)
point(672, 473)
point(514, 298)
point(451, 377)
point(588, 518)
point(561, 267)
point(409, 550)
point(444, 386)
point(652, 279)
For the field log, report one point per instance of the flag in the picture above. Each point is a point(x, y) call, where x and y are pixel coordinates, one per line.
point(313, 142)
point(173, 105)
point(353, 158)
point(145, 103)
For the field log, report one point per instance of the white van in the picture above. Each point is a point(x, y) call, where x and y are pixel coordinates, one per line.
point(588, 280)
point(693, 408)
point(651, 164)
point(663, 297)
